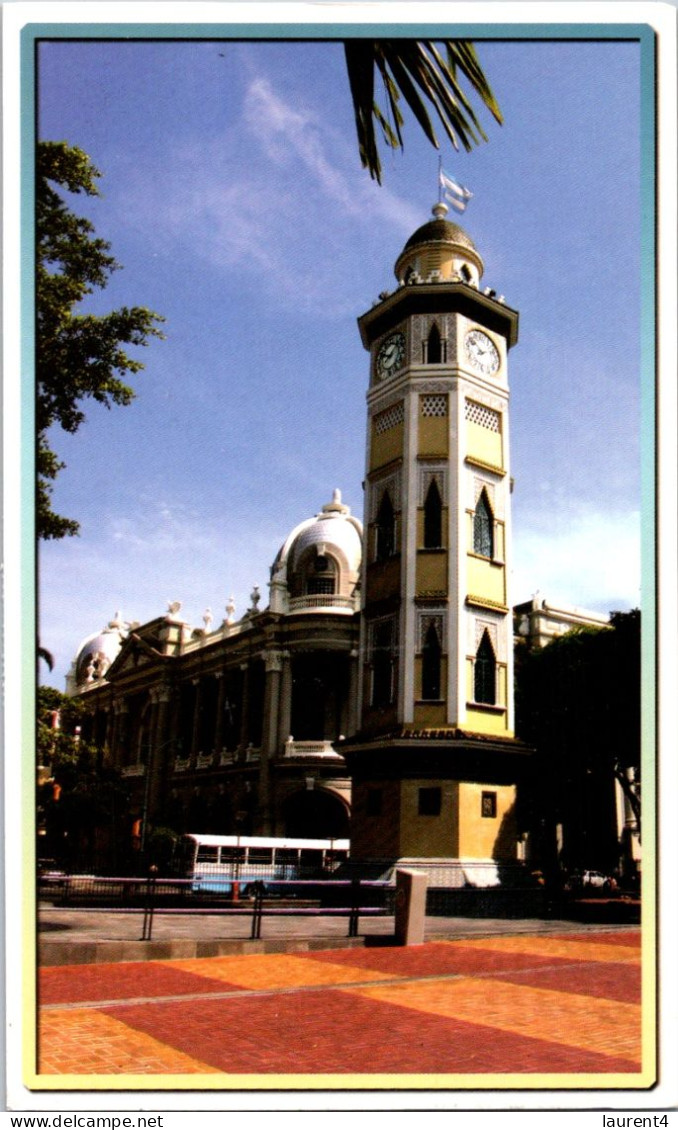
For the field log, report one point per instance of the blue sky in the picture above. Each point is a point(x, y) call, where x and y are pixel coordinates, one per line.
point(233, 196)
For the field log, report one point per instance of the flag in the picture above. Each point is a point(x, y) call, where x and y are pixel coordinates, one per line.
point(453, 192)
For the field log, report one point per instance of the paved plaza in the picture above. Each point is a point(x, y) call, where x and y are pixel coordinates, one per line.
point(557, 1002)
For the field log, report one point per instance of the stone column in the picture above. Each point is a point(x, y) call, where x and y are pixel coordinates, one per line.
point(161, 751)
point(219, 721)
point(353, 714)
point(285, 708)
point(245, 706)
point(122, 735)
point(273, 660)
point(195, 737)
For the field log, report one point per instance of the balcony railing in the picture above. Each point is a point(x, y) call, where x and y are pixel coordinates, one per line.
point(311, 749)
point(321, 600)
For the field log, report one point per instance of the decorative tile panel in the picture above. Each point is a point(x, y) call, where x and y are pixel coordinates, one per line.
point(389, 418)
point(482, 415)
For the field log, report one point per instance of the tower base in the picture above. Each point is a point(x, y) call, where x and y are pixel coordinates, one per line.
point(445, 800)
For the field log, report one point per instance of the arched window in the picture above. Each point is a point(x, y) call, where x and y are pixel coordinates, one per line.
point(485, 672)
point(382, 664)
point(434, 353)
point(321, 576)
point(483, 528)
point(431, 664)
point(385, 529)
point(433, 518)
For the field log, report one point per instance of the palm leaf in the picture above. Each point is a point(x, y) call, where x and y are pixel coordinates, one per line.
point(427, 82)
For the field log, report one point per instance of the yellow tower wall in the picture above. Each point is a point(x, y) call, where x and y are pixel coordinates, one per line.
point(379, 835)
point(484, 446)
point(486, 579)
point(387, 446)
point(483, 837)
point(429, 835)
point(431, 572)
point(433, 436)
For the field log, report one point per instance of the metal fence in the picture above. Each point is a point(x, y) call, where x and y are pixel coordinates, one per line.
point(155, 895)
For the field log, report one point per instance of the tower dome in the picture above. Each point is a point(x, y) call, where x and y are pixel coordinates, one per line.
point(440, 250)
point(318, 566)
point(96, 653)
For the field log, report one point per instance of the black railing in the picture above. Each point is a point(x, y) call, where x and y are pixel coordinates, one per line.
point(155, 895)
point(359, 898)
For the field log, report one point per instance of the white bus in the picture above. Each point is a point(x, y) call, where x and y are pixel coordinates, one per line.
point(216, 863)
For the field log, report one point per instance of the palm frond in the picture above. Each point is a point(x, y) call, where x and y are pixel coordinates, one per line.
point(427, 81)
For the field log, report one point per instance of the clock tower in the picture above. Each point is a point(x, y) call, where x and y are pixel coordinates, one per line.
point(435, 763)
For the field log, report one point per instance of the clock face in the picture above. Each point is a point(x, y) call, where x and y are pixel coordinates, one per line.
point(390, 356)
point(481, 352)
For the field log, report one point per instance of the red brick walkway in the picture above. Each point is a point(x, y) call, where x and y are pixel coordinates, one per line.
point(527, 1005)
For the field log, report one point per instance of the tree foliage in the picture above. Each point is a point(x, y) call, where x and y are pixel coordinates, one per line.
point(82, 796)
point(578, 704)
point(428, 80)
point(79, 356)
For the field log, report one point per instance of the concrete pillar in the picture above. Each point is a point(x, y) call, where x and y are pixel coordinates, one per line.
point(245, 709)
point(410, 907)
point(285, 705)
point(161, 751)
point(196, 721)
point(269, 740)
point(353, 705)
point(219, 721)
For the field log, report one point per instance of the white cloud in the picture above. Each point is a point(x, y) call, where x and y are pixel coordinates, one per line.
point(592, 562)
point(274, 190)
point(165, 551)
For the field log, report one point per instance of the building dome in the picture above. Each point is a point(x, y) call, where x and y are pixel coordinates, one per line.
point(318, 566)
point(439, 250)
point(440, 231)
point(97, 652)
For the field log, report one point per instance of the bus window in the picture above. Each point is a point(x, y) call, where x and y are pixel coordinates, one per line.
point(233, 854)
point(261, 855)
point(207, 854)
point(334, 859)
point(310, 859)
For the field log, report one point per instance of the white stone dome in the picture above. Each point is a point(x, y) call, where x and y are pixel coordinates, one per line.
point(97, 652)
point(318, 565)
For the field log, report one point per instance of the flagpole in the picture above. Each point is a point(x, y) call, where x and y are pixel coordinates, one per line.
point(440, 178)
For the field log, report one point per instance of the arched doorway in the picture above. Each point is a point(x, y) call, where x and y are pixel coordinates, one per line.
point(316, 814)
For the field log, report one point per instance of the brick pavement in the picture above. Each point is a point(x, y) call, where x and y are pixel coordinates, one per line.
point(563, 1009)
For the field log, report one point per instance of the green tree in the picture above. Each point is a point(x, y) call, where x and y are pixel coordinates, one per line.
point(78, 355)
point(427, 80)
point(578, 705)
point(80, 799)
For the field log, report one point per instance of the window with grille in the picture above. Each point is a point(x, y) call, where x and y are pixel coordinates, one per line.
point(485, 673)
point(382, 664)
point(385, 529)
point(483, 528)
point(482, 415)
point(488, 805)
point(431, 664)
point(389, 418)
point(433, 404)
point(322, 577)
point(433, 517)
point(434, 347)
